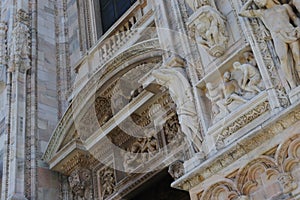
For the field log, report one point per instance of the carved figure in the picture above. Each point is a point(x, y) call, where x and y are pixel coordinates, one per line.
point(251, 77)
point(173, 133)
point(181, 93)
point(19, 44)
point(80, 182)
point(216, 96)
point(200, 3)
point(249, 57)
point(141, 151)
point(284, 34)
point(232, 91)
point(176, 169)
point(211, 31)
point(107, 181)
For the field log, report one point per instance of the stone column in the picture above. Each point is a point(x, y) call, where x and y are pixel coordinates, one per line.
point(19, 63)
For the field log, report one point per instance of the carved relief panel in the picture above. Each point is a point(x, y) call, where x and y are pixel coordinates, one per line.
point(214, 28)
point(236, 83)
point(106, 181)
point(80, 182)
point(285, 33)
point(232, 97)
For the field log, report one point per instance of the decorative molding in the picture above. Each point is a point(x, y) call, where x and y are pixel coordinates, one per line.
point(241, 122)
point(242, 147)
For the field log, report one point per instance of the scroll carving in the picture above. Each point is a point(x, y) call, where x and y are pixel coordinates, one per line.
point(248, 181)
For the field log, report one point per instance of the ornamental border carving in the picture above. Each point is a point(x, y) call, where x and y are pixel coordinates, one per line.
point(241, 122)
point(244, 180)
point(242, 147)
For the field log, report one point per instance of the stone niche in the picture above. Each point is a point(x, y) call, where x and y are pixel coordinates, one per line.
point(232, 96)
point(214, 28)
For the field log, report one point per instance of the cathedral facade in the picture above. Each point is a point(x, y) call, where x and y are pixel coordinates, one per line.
point(150, 99)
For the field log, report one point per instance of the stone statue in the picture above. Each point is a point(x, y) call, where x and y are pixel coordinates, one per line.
point(251, 77)
point(216, 96)
point(211, 31)
point(80, 183)
point(285, 35)
point(20, 43)
point(232, 92)
point(181, 93)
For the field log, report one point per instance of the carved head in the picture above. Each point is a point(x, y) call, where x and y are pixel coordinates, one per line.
point(236, 65)
point(79, 181)
point(261, 3)
point(227, 76)
point(176, 169)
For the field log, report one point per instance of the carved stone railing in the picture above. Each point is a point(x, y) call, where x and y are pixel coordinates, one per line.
point(120, 33)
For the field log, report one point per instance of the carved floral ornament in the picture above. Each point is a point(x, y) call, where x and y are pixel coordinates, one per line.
point(209, 29)
point(264, 171)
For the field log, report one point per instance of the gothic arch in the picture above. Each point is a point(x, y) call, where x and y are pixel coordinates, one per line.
point(255, 173)
point(224, 189)
point(288, 154)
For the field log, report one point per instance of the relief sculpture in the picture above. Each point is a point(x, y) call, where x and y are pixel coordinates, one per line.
point(81, 184)
point(238, 86)
point(210, 30)
point(181, 93)
point(285, 32)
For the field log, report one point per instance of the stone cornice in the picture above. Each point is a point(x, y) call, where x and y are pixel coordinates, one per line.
point(275, 125)
point(134, 53)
